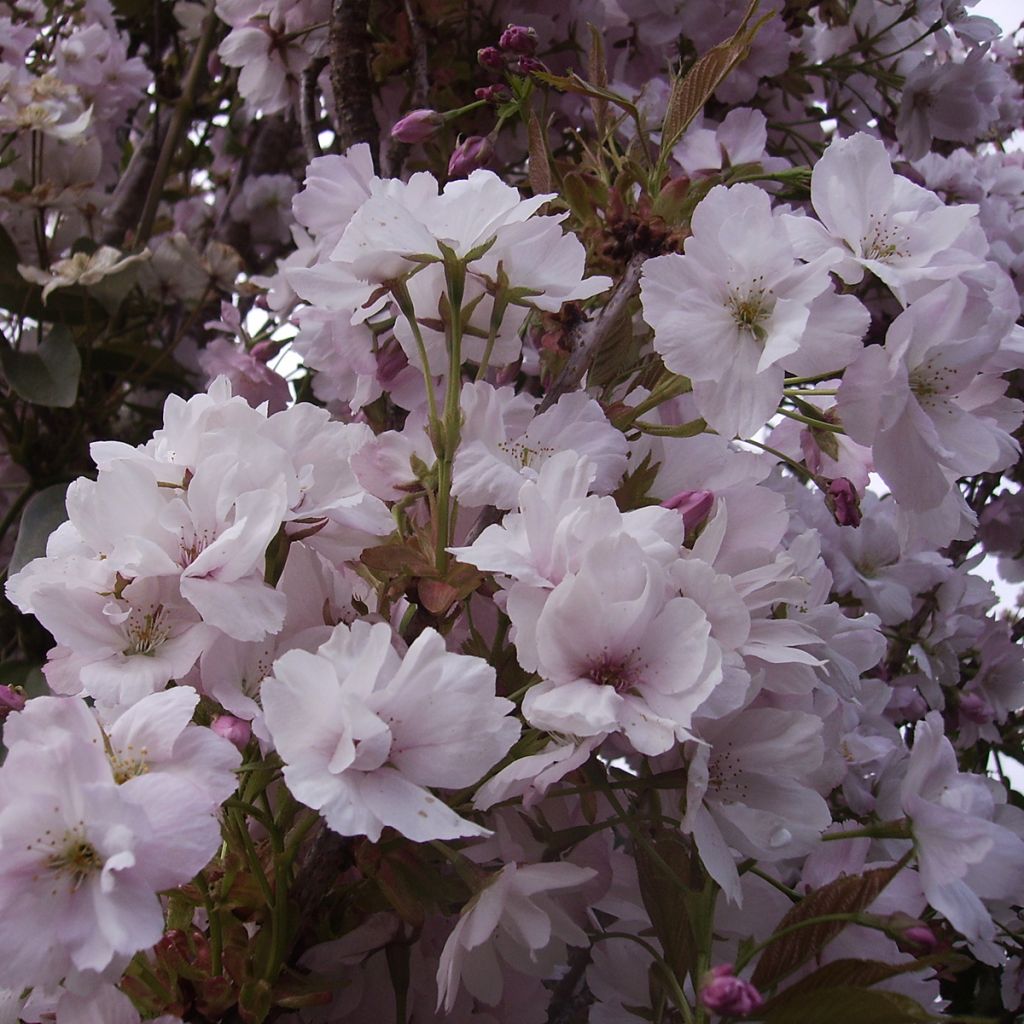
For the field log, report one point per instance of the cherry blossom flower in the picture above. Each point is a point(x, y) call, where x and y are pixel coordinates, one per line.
point(513, 918)
point(364, 731)
point(83, 856)
point(873, 219)
point(730, 310)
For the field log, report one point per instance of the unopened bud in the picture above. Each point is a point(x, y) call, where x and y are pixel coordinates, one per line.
point(491, 57)
point(843, 502)
point(975, 708)
point(11, 699)
point(693, 506)
point(728, 995)
point(264, 351)
point(237, 730)
point(922, 938)
point(470, 154)
point(519, 39)
point(417, 126)
point(529, 65)
point(497, 93)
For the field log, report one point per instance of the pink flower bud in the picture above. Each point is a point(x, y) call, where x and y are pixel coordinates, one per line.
point(497, 93)
point(237, 730)
point(519, 39)
point(843, 501)
point(417, 126)
point(491, 57)
point(921, 938)
point(470, 154)
point(693, 506)
point(528, 65)
point(264, 351)
point(728, 995)
point(975, 708)
point(11, 699)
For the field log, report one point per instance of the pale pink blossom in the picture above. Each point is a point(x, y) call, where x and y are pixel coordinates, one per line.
point(364, 731)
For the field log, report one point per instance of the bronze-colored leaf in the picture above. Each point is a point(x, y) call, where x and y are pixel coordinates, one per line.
point(671, 902)
point(855, 973)
point(540, 167)
point(849, 894)
point(597, 72)
point(845, 1004)
point(691, 91)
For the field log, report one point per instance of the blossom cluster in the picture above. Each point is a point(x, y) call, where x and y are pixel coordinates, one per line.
point(545, 595)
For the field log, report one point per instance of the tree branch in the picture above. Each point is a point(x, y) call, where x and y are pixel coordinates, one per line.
point(587, 337)
point(307, 108)
point(349, 47)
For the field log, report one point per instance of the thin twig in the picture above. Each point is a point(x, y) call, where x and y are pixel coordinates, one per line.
point(179, 121)
point(307, 108)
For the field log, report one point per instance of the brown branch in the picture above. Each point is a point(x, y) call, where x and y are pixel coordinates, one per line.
point(587, 338)
point(419, 95)
point(420, 63)
point(125, 207)
point(176, 131)
point(307, 108)
point(349, 47)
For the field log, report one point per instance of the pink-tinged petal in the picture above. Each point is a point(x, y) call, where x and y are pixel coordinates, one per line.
point(412, 810)
point(851, 182)
point(581, 708)
point(245, 609)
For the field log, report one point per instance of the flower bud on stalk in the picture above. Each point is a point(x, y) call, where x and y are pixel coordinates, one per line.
point(491, 57)
point(417, 126)
point(519, 39)
point(528, 66)
point(843, 502)
point(237, 730)
point(494, 94)
point(728, 995)
point(693, 506)
point(471, 153)
point(11, 699)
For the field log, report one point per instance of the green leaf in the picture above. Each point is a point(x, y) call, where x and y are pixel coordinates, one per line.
point(847, 1005)
point(43, 513)
point(49, 375)
point(691, 91)
point(573, 83)
point(849, 894)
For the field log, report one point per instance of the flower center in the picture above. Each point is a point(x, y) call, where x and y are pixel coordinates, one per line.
point(930, 384)
point(622, 674)
point(76, 860)
point(751, 307)
point(522, 453)
point(146, 632)
point(883, 240)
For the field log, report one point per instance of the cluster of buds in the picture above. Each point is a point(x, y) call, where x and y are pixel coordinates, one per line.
point(514, 53)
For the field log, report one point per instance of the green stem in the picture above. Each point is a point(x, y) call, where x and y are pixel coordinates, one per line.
point(668, 975)
point(817, 424)
point(400, 291)
point(216, 931)
point(455, 280)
